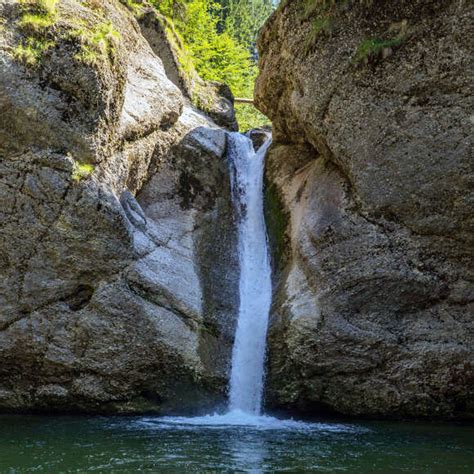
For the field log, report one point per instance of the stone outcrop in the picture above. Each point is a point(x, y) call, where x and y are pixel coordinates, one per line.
point(369, 190)
point(116, 227)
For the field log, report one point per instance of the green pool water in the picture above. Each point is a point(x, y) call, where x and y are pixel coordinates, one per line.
point(147, 444)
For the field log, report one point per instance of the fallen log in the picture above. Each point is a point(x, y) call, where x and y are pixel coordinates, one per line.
point(243, 101)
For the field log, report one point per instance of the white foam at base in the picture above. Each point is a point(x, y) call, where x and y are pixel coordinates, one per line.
point(238, 418)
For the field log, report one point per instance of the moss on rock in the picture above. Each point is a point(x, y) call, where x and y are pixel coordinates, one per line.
point(277, 220)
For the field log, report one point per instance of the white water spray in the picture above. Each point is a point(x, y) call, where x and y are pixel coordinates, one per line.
point(246, 381)
point(247, 374)
point(255, 290)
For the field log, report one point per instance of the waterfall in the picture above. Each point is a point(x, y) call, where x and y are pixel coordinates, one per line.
point(255, 291)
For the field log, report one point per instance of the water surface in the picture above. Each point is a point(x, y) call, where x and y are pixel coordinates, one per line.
point(147, 444)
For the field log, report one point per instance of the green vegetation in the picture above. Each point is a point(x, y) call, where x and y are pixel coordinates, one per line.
point(81, 171)
point(134, 6)
point(323, 16)
point(38, 14)
point(373, 49)
point(244, 18)
point(37, 21)
point(319, 25)
point(217, 39)
point(249, 117)
point(202, 97)
point(277, 221)
point(217, 56)
point(31, 50)
point(37, 17)
point(47, 7)
point(97, 42)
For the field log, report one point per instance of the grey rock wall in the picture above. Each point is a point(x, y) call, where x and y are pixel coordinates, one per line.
point(115, 229)
point(371, 172)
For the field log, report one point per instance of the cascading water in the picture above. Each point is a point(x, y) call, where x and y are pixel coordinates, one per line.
point(246, 170)
point(255, 290)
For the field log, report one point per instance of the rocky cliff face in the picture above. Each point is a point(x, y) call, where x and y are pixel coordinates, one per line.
point(115, 222)
point(370, 198)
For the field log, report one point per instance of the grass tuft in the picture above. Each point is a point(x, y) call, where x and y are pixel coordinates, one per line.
point(319, 26)
point(97, 42)
point(47, 7)
point(136, 7)
point(31, 51)
point(374, 49)
point(37, 21)
point(37, 17)
point(81, 171)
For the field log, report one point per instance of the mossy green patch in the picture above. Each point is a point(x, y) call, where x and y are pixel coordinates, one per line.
point(277, 220)
point(37, 21)
point(202, 97)
point(37, 17)
point(183, 55)
point(373, 49)
point(319, 26)
point(81, 171)
point(97, 41)
point(48, 7)
point(31, 50)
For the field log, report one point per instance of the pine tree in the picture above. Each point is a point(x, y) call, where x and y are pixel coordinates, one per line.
point(244, 18)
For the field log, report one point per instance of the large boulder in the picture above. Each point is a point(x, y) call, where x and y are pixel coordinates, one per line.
point(115, 222)
point(369, 191)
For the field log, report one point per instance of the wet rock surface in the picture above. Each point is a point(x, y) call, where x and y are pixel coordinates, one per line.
point(371, 173)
